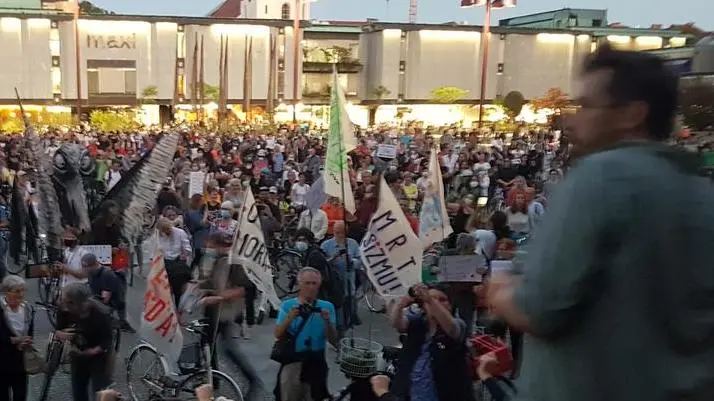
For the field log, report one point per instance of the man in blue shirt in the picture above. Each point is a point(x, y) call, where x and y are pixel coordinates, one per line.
point(306, 379)
point(344, 256)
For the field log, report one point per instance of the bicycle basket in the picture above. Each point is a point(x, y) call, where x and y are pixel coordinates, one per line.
point(359, 357)
point(190, 359)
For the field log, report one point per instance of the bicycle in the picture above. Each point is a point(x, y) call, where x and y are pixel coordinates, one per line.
point(366, 291)
point(194, 366)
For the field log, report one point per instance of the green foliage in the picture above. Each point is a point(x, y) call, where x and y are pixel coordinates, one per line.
point(212, 92)
point(381, 91)
point(45, 118)
point(87, 8)
point(696, 104)
point(448, 94)
point(342, 54)
point(513, 103)
point(12, 126)
point(113, 121)
point(149, 94)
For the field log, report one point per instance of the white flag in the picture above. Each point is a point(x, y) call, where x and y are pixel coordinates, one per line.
point(159, 321)
point(434, 225)
point(249, 250)
point(340, 141)
point(391, 252)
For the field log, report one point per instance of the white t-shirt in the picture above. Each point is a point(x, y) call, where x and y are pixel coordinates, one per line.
point(299, 192)
point(73, 260)
point(518, 222)
point(485, 166)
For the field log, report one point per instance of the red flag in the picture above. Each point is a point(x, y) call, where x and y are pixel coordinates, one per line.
point(472, 3)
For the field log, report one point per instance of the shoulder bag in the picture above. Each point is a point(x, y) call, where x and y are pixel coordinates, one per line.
point(284, 351)
point(34, 362)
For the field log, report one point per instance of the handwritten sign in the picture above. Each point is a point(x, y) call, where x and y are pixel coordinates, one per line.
point(461, 268)
point(391, 252)
point(159, 321)
point(386, 151)
point(102, 252)
point(195, 182)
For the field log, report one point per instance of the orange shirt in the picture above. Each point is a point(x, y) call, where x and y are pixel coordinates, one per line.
point(334, 213)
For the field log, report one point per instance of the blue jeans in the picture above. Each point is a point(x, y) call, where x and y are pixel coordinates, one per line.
point(346, 314)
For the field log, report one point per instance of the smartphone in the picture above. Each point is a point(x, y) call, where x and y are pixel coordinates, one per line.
point(482, 201)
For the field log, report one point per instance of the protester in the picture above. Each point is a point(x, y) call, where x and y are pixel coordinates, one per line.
point(343, 254)
point(313, 322)
point(176, 248)
point(17, 329)
point(592, 290)
point(92, 340)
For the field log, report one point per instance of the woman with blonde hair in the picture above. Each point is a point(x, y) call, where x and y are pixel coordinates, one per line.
point(17, 326)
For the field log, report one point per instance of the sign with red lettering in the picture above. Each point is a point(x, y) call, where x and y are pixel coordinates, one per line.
point(159, 321)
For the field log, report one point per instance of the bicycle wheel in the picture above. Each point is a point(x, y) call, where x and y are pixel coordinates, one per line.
point(287, 265)
point(144, 382)
point(53, 357)
point(375, 303)
point(223, 386)
point(49, 289)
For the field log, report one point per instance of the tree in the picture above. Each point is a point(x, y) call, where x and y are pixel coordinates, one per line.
point(149, 94)
point(111, 121)
point(554, 99)
point(448, 94)
point(696, 103)
point(379, 92)
point(212, 92)
point(513, 103)
point(87, 8)
point(342, 54)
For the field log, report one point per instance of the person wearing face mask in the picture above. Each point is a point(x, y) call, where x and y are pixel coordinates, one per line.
point(225, 222)
point(312, 165)
point(72, 264)
point(331, 288)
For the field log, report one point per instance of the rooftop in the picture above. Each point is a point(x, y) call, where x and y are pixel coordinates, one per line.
point(226, 9)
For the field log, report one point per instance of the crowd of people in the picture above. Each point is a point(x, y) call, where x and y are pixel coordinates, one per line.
point(594, 288)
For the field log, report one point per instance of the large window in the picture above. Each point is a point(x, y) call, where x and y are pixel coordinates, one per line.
point(111, 78)
point(285, 11)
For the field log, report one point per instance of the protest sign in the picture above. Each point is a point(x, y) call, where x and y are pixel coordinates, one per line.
point(391, 252)
point(102, 252)
point(196, 179)
point(159, 321)
point(434, 225)
point(249, 250)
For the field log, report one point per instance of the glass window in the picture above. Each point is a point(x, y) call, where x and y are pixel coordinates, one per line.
point(285, 11)
point(93, 82)
point(56, 80)
point(130, 81)
point(54, 34)
point(181, 45)
point(55, 47)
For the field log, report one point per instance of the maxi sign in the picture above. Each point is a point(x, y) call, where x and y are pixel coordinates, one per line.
point(111, 41)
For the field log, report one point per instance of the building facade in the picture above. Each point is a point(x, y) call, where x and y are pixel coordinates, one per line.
point(105, 60)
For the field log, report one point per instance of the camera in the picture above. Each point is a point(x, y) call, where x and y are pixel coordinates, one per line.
point(307, 309)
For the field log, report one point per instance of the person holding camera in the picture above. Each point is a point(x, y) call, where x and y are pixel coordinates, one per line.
point(309, 323)
point(434, 361)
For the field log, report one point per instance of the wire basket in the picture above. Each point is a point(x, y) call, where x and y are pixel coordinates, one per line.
point(359, 358)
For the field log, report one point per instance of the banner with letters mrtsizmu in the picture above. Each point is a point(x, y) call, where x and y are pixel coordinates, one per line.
point(249, 251)
point(391, 252)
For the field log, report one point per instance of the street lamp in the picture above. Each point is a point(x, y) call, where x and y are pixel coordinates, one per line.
point(490, 5)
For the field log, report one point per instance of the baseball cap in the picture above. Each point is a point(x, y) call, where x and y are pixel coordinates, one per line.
point(89, 259)
point(273, 190)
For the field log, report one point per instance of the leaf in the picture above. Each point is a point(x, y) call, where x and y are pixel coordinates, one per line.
point(448, 94)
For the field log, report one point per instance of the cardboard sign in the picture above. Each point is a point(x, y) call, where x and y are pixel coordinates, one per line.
point(386, 151)
point(461, 268)
point(196, 180)
point(102, 252)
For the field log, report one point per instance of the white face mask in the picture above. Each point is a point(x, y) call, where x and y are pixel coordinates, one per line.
point(473, 184)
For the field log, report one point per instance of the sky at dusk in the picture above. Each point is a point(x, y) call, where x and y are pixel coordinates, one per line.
point(634, 13)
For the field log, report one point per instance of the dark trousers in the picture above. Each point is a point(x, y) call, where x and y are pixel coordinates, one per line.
point(251, 293)
point(15, 383)
point(197, 256)
point(121, 300)
point(178, 275)
point(465, 303)
point(516, 349)
point(86, 370)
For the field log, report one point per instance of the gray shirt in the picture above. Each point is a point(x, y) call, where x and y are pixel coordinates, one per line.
point(619, 283)
point(225, 277)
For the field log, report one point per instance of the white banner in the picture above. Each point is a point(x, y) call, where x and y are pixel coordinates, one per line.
point(249, 251)
point(159, 321)
point(196, 179)
point(391, 252)
point(434, 224)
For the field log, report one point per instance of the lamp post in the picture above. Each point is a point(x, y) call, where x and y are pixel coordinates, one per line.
point(485, 42)
point(78, 62)
point(296, 56)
